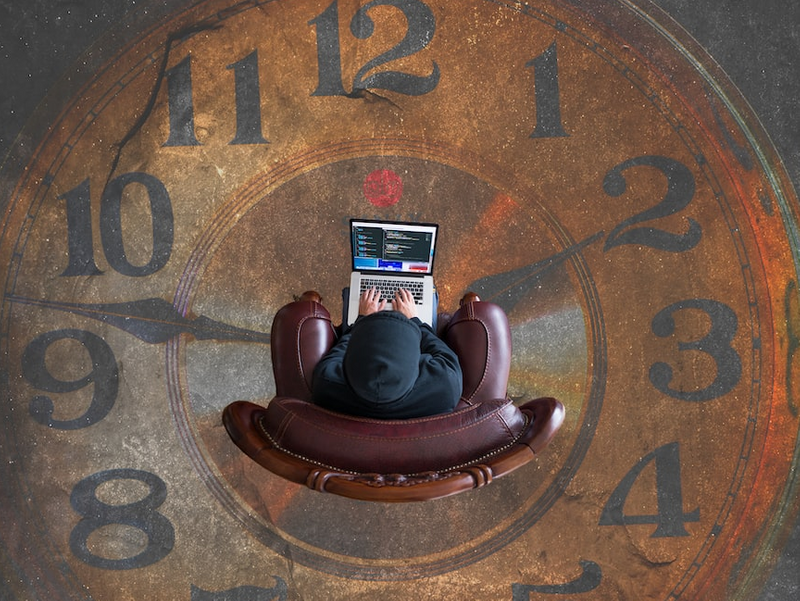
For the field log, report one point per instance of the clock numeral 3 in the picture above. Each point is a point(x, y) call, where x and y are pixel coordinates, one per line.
point(79, 226)
point(421, 27)
point(104, 375)
point(141, 515)
point(671, 517)
point(680, 191)
point(717, 344)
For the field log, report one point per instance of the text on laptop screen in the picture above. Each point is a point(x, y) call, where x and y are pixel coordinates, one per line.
point(395, 247)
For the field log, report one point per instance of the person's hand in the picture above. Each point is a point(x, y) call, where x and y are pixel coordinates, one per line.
point(404, 303)
point(370, 302)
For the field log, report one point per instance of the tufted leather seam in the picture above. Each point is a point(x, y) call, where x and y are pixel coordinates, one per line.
point(480, 459)
point(463, 428)
point(471, 314)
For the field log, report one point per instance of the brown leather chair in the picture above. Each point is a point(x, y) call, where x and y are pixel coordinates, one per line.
point(486, 436)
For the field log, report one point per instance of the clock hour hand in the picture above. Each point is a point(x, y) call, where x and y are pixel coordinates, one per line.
point(508, 288)
point(152, 320)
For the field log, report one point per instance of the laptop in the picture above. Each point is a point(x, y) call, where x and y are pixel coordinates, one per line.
point(392, 254)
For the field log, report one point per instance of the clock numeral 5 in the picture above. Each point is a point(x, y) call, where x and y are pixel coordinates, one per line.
point(421, 27)
point(590, 579)
point(141, 515)
point(79, 226)
point(104, 375)
point(671, 517)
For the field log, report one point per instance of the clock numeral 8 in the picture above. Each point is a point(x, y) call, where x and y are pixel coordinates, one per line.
point(141, 515)
point(79, 226)
point(104, 375)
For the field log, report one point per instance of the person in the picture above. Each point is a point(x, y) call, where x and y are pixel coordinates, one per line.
point(388, 365)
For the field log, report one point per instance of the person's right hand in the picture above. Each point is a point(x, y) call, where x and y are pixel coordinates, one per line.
point(404, 303)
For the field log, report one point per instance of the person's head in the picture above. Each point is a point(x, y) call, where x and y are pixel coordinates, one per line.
point(381, 363)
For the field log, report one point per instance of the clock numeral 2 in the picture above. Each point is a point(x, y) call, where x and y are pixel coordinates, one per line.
point(421, 27)
point(671, 518)
point(80, 243)
point(141, 515)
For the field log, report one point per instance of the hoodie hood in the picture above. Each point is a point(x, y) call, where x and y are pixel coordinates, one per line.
point(381, 363)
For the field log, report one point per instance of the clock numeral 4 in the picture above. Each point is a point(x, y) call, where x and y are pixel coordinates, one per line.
point(80, 241)
point(671, 517)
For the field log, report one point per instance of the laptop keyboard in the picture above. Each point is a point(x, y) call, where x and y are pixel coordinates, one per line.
point(387, 288)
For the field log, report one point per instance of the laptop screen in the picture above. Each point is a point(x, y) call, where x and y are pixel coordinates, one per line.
point(396, 247)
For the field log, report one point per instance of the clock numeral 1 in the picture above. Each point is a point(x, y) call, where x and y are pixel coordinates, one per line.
point(140, 514)
point(547, 95)
point(421, 27)
point(80, 243)
point(180, 102)
point(671, 518)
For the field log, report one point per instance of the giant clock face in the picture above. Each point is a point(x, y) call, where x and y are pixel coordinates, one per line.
point(593, 174)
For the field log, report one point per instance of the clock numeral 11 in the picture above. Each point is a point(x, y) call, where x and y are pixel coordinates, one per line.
point(248, 103)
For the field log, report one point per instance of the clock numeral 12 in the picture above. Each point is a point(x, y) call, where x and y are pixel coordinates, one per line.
point(80, 243)
point(421, 27)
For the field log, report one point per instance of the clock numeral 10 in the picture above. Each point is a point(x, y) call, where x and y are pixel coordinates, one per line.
point(80, 242)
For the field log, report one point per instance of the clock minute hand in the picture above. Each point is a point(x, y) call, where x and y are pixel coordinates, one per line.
point(152, 320)
point(507, 288)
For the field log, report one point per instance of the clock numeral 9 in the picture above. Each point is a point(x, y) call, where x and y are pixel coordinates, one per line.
point(141, 515)
point(671, 518)
point(104, 375)
point(421, 27)
point(717, 344)
point(79, 226)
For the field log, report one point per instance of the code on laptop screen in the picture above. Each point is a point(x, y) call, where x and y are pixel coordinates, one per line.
point(393, 247)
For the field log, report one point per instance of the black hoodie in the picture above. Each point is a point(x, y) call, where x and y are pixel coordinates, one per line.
point(388, 367)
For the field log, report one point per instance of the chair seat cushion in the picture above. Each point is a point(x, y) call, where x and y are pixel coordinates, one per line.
point(412, 446)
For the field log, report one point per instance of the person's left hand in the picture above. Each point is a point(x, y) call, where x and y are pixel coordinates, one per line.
point(370, 302)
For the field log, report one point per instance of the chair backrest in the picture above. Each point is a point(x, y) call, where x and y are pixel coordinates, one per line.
point(392, 460)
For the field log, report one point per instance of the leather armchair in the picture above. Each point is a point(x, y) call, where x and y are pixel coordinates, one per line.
point(486, 436)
